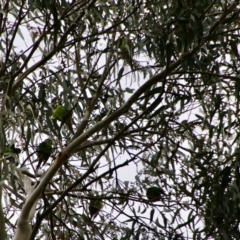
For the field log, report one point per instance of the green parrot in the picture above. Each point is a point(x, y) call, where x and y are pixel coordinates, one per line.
point(94, 207)
point(62, 114)
point(154, 194)
point(12, 149)
point(126, 50)
point(44, 150)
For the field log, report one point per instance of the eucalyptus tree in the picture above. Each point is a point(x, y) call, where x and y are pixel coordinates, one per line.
point(150, 93)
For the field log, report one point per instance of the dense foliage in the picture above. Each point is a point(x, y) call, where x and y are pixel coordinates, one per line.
point(151, 90)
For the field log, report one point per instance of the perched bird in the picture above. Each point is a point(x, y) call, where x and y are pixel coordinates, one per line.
point(126, 50)
point(44, 150)
point(154, 194)
point(12, 149)
point(94, 207)
point(62, 114)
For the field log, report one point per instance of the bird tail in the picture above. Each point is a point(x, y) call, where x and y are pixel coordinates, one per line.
point(69, 125)
point(39, 164)
point(70, 128)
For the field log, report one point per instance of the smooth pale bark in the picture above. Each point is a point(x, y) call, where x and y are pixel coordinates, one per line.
point(24, 229)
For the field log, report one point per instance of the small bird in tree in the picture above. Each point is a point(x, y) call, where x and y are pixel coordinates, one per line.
point(44, 150)
point(12, 149)
point(94, 207)
point(154, 194)
point(63, 115)
point(127, 50)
